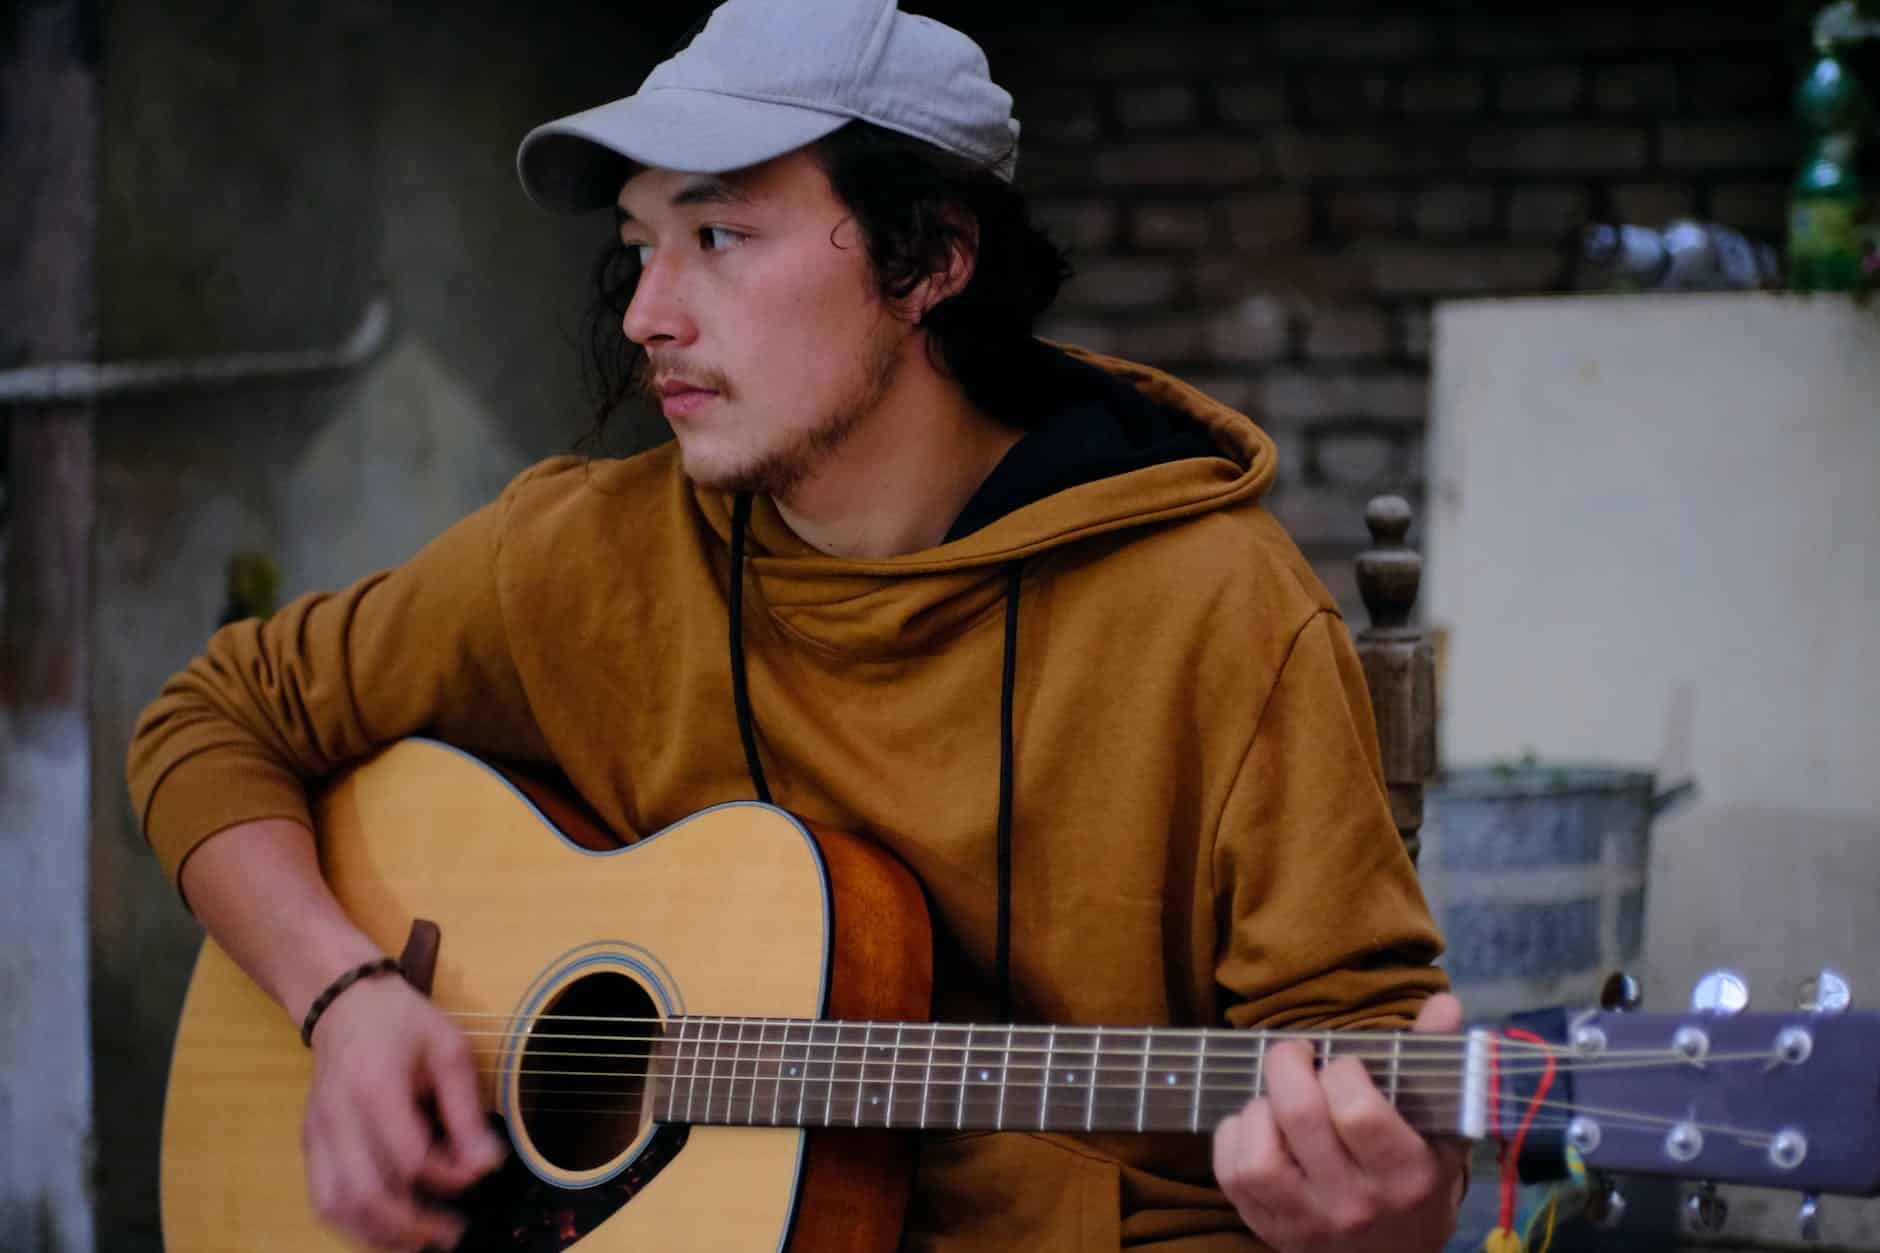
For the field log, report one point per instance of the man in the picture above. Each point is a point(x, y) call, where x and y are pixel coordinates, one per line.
point(1013, 612)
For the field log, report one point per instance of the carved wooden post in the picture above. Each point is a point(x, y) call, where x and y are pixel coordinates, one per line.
point(1399, 664)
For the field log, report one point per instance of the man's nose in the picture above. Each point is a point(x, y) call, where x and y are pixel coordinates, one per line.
point(658, 312)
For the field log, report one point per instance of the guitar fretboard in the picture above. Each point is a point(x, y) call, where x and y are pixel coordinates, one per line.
point(927, 1076)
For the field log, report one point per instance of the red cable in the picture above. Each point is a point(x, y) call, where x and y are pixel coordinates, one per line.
point(1511, 1149)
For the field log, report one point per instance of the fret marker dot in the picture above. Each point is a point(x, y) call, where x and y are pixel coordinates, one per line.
point(985, 1076)
point(1169, 1079)
point(793, 1072)
point(1070, 1076)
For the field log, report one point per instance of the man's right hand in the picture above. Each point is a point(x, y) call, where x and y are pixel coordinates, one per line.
point(393, 1118)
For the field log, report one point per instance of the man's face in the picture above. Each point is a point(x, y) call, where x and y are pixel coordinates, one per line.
point(766, 337)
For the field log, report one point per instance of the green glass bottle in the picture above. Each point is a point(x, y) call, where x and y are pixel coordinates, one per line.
point(1828, 205)
point(1827, 219)
point(1829, 98)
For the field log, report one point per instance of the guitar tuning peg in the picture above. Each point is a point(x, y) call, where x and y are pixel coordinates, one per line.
point(1825, 993)
point(1720, 992)
point(1708, 1211)
point(1808, 1217)
point(1605, 1204)
point(1620, 993)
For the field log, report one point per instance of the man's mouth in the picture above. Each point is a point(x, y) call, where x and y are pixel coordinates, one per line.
point(679, 398)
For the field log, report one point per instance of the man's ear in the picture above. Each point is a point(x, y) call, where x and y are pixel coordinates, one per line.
point(962, 256)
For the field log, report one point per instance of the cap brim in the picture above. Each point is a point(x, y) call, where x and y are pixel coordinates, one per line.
point(578, 163)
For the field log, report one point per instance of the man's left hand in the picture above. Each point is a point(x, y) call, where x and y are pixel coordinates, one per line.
point(1324, 1164)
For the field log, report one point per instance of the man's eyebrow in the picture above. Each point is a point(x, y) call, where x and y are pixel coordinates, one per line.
point(706, 190)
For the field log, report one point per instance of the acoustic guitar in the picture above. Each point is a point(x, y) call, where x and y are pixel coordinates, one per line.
point(715, 1038)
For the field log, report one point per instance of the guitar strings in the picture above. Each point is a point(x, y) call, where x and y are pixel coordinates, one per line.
point(1151, 1054)
point(1408, 1048)
point(1160, 1060)
point(1437, 1113)
point(1348, 1040)
point(725, 1022)
point(842, 1028)
point(1236, 1092)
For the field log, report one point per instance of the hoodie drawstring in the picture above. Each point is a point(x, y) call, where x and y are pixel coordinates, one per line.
point(747, 730)
point(740, 691)
point(1007, 683)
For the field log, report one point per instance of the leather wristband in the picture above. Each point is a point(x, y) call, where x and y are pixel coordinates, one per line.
point(366, 970)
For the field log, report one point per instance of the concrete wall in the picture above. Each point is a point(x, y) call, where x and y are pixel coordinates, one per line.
point(267, 169)
point(48, 150)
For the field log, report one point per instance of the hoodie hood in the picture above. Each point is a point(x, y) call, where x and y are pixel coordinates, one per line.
point(908, 603)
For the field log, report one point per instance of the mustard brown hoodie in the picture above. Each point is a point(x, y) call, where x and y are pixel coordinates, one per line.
point(1195, 827)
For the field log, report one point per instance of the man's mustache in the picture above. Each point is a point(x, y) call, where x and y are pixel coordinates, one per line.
point(658, 372)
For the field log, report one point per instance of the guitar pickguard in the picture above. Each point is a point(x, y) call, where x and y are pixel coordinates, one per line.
point(513, 1211)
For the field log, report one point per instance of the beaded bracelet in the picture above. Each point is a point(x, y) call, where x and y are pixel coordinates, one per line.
point(383, 966)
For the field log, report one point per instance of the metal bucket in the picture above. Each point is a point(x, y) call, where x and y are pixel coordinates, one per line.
point(1537, 875)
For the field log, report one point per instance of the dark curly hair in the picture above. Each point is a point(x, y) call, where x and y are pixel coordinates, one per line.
point(914, 203)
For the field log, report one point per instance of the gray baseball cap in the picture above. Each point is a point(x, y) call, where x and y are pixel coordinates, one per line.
point(765, 77)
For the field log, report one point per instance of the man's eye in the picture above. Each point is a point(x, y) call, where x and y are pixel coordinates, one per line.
point(718, 238)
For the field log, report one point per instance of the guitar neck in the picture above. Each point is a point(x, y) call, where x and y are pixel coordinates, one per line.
point(922, 1076)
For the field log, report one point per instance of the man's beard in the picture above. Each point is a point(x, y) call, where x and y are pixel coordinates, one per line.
point(780, 471)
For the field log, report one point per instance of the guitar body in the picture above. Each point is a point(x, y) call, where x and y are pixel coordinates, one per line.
point(540, 919)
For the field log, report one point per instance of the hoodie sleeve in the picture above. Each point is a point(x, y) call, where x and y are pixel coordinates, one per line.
point(1322, 921)
point(271, 707)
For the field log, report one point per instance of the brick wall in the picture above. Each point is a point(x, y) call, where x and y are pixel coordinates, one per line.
point(1269, 203)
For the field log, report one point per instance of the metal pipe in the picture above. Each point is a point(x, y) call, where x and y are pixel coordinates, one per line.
point(66, 382)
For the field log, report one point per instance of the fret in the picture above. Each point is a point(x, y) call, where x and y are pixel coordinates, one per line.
point(1005, 1070)
point(672, 1083)
point(1232, 1063)
point(757, 1067)
point(711, 1080)
point(829, 1091)
point(1096, 1065)
point(737, 1057)
point(966, 1060)
point(1396, 1060)
point(878, 1108)
point(691, 1088)
point(1170, 1079)
point(757, 1064)
point(783, 1056)
point(800, 1071)
point(894, 1076)
point(926, 1076)
point(1044, 1090)
point(1070, 1062)
point(861, 1080)
point(1142, 1080)
point(1325, 1050)
point(1201, 1069)
point(1259, 1068)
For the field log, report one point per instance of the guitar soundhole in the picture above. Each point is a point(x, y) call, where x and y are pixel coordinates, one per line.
point(583, 1072)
